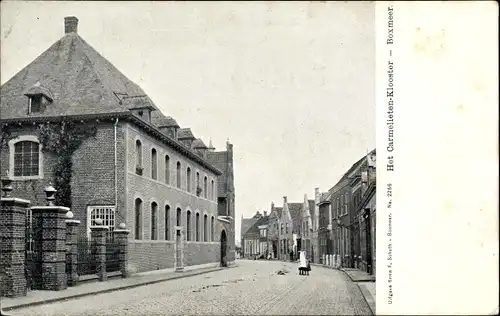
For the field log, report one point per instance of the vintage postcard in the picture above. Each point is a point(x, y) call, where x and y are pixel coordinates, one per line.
point(220, 158)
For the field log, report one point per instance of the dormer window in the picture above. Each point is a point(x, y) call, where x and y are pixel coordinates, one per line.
point(38, 98)
point(141, 113)
point(35, 104)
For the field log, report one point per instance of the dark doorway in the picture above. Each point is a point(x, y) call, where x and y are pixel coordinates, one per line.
point(223, 249)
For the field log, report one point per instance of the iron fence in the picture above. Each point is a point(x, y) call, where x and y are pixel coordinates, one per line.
point(112, 254)
point(86, 256)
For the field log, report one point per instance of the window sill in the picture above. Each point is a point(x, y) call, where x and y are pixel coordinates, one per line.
point(26, 178)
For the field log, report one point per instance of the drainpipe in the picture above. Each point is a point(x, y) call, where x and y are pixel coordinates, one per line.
point(116, 169)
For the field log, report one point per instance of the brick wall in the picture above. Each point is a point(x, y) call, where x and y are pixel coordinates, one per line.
point(93, 180)
point(146, 254)
point(28, 189)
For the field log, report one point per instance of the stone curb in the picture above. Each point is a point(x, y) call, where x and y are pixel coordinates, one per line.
point(119, 288)
point(357, 283)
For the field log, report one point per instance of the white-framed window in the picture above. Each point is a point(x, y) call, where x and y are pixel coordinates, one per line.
point(26, 159)
point(106, 213)
point(263, 233)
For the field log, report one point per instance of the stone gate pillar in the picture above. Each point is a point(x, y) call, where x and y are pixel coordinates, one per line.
point(98, 235)
point(50, 220)
point(71, 249)
point(12, 248)
point(121, 236)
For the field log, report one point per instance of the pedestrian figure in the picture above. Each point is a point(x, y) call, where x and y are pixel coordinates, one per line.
point(308, 266)
point(302, 262)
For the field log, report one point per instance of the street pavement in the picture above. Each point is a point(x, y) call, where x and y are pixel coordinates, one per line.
point(251, 288)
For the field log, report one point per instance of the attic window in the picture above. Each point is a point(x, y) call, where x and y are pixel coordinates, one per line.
point(38, 98)
point(35, 103)
point(140, 113)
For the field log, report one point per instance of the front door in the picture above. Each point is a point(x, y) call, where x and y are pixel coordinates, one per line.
point(223, 249)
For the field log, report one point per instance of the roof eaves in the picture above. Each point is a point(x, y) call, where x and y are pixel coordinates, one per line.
point(182, 149)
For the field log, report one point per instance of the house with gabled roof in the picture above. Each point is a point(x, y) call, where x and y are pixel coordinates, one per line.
point(254, 237)
point(338, 218)
point(73, 119)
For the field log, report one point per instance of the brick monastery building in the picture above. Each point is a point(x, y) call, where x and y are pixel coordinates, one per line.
point(137, 167)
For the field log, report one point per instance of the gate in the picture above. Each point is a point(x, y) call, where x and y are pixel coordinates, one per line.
point(33, 252)
point(112, 254)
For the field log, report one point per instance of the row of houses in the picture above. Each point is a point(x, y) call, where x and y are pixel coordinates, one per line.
point(337, 227)
point(73, 120)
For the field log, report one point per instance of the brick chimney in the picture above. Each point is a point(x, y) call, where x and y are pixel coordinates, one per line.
point(265, 213)
point(284, 200)
point(70, 24)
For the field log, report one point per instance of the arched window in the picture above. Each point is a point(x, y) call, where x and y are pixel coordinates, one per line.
point(179, 217)
point(154, 165)
point(167, 169)
point(188, 226)
point(167, 222)
point(346, 204)
point(138, 219)
point(205, 187)
point(154, 221)
point(197, 226)
point(188, 179)
point(212, 229)
point(212, 189)
point(197, 180)
point(205, 228)
point(26, 159)
point(178, 174)
point(138, 153)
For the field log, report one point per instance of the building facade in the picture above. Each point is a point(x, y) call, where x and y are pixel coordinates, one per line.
point(72, 119)
point(280, 230)
point(254, 240)
point(339, 224)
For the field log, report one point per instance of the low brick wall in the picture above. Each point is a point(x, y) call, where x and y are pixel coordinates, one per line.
point(200, 253)
point(156, 255)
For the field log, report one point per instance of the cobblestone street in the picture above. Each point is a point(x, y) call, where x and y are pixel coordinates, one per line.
point(252, 288)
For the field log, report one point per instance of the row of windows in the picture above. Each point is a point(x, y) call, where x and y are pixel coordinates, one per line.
point(138, 234)
point(341, 205)
point(197, 189)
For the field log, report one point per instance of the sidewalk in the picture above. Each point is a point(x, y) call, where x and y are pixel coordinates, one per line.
point(365, 282)
point(92, 288)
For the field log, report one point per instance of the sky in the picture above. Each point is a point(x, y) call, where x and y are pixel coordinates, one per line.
point(291, 85)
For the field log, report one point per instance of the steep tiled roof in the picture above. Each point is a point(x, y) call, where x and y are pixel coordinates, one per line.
point(137, 102)
point(246, 224)
point(185, 133)
point(296, 214)
point(198, 143)
point(278, 211)
point(39, 89)
point(80, 80)
point(357, 164)
point(254, 228)
point(160, 120)
point(354, 166)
